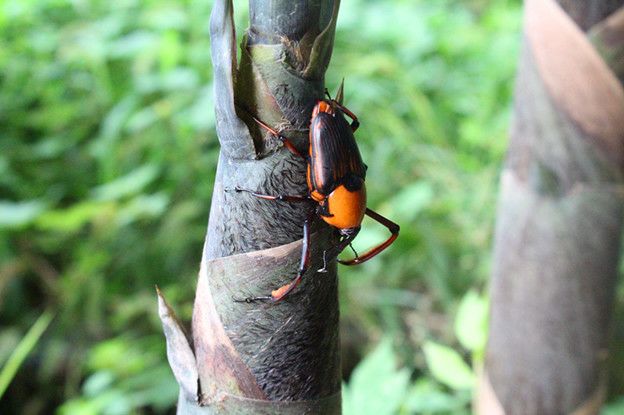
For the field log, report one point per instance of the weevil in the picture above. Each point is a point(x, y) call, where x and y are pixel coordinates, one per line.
point(336, 182)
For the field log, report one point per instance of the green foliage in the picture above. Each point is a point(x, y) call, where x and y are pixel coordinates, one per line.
point(25, 346)
point(433, 92)
point(377, 387)
point(614, 408)
point(427, 397)
point(471, 322)
point(448, 367)
point(125, 377)
point(107, 162)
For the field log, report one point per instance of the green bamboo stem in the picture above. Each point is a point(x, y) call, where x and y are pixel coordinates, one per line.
point(262, 358)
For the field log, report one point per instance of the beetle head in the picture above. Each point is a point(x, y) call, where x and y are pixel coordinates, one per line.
point(349, 231)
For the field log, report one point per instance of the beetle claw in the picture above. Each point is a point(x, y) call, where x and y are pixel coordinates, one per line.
point(251, 300)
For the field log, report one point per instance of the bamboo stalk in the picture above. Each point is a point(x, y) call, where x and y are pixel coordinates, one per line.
point(559, 222)
point(263, 358)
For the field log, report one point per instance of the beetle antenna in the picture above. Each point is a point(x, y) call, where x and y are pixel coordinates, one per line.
point(324, 269)
point(354, 251)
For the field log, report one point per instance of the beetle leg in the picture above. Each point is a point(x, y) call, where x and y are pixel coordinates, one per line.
point(283, 139)
point(338, 102)
point(392, 227)
point(281, 198)
point(336, 250)
point(354, 251)
point(355, 123)
point(283, 291)
point(324, 269)
point(327, 94)
point(323, 210)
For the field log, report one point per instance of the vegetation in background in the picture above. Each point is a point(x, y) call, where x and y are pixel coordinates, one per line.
point(107, 159)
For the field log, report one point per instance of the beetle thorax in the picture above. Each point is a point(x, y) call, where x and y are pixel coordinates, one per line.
point(323, 106)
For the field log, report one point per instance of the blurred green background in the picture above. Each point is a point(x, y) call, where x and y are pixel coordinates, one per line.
point(107, 161)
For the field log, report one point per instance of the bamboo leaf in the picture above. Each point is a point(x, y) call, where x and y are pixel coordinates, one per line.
point(471, 322)
point(376, 387)
point(447, 366)
point(15, 214)
point(23, 349)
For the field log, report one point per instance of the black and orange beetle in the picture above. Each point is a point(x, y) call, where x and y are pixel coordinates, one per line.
point(335, 176)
